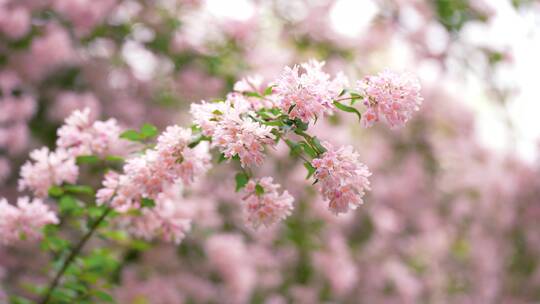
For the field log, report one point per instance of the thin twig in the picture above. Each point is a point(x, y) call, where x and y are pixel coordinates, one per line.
point(72, 256)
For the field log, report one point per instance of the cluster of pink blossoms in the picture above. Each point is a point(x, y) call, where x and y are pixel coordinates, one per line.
point(310, 94)
point(24, 220)
point(146, 175)
point(393, 96)
point(342, 178)
point(82, 136)
point(170, 218)
point(46, 169)
point(263, 205)
point(233, 132)
point(79, 136)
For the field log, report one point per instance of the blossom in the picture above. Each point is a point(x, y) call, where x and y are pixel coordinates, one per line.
point(169, 219)
point(390, 95)
point(80, 135)
point(233, 131)
point(263, 205)
point(24, 220)
point(342, 178)
point(146, 175)
point(307, 95)
point(46, 169)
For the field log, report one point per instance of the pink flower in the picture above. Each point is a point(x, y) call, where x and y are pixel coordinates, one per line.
point(67, 102)
point(229, 255)
point(25, 220)
point(82, 136)
point(308, 95)
point(232, 131)
point(14, 23)
point(170, 219)
point(46, 169)
point(393, 96)
point(84, 14)
point(146, 175)
point(267, 207)
point(342, 178)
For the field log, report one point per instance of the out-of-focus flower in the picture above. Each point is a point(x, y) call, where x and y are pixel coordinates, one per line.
point(393, 96)
point(5, 169)
point(342, 178)
point(15, 22)
point(263, 205)
point(84, 14)
point(307, 95)
point(67, 102)
point(46, 169)
point(228, 253)
point(24, 220)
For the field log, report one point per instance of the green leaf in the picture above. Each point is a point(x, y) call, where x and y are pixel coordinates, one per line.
point(311, 170)
point(345, 108)
point(102, 295)
point(114, 158)
point(252, 94)
point(268, 90)
point(308, 149)
point(296, 149)
point(79, 189)
point(148, 203)
point(56, 191)
point(131, 135)
point(259, 190)
point(241, 180)
point(87, 159)
point(67, 204)
point(315, 141)
point(221, 158)
point(148, 131)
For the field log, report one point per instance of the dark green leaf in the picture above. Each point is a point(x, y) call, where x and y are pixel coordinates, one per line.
point(311, 170)
point(147, 202)
point(87, 159)
point(241, 180)
point(55, 191)
point(308, 149)
point(259, 190)
point(67, 204)
point(345, 108)
point(102, 295)
point(79, 189)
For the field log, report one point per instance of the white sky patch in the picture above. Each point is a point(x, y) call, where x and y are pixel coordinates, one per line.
point(351, 18)
point(240, 10)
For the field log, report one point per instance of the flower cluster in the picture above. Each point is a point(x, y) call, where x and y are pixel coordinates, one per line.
point(170, 218)
point(47, 169)
point(307, 95)
point(146, 175)
point(233, 132)
point(82, 136)
point(342, 178)
point(390, 95)
point(25, 220)
point(263, 204)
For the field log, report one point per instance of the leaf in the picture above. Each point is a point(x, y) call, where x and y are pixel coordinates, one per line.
point(345, 108)
point(308, 149)
point(102, 295)
point(268, 90)
point(315, 141)
point(253, 94)
point(147, 202)
point(241, 180)
point(148, 131)
point(221, 158)
point(79, 189)
point(87, 159)
point(131, 135)
point(67, 204)
point(311, 170)
point(56, 191)
point(296, 149)
point(259, 190)
point(114, 158)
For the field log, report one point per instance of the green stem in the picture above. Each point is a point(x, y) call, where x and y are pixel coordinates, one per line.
point(74, 253)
